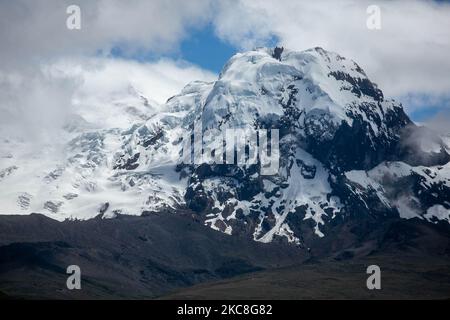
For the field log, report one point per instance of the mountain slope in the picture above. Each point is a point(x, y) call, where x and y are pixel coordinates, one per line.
point(128, 257)
point(174, 256)
point(346, 154)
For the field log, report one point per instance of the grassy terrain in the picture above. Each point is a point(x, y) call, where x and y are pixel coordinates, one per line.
point(175, 256)
point(402, 277)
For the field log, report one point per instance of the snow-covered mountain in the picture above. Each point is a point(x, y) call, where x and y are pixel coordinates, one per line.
point(344, 151)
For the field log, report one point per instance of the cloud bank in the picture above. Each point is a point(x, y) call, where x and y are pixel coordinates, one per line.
point(407, 57)
point(409, 54)
point(45, 67)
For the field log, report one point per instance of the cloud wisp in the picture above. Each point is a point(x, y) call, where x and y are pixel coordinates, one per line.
point(45, 67)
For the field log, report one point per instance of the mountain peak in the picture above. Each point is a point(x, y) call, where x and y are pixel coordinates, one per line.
point(344, 153)
point(254, 85)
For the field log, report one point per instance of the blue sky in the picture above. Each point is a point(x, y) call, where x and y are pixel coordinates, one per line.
point(427, 113)
point(424, 107)
point(206, 50)
point(201, 47)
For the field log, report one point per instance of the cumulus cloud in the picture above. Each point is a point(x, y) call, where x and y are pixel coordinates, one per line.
point(45, 67)
point(408, 55)
point(36, 30)
point(103, 77)
point(35, 105)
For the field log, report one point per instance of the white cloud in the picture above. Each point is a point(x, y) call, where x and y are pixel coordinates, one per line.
point(35, 30)
point(36, 105)
point(408, 55)
point(33, 104)
point(35, 99)
point(102, 77)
